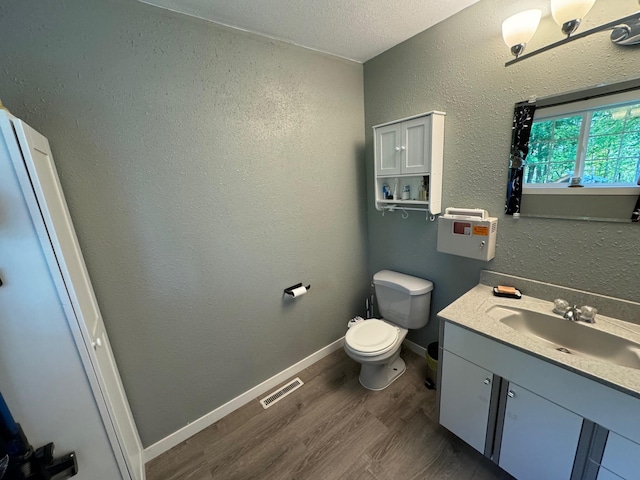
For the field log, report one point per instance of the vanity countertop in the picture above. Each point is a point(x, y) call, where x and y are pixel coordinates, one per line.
point(470, 312)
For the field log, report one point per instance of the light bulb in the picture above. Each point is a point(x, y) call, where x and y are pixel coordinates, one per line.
point(569, 13)
point(518, 29)
point(566, 10)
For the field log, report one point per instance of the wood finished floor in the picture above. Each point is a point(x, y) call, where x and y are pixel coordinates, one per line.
point(331, 428)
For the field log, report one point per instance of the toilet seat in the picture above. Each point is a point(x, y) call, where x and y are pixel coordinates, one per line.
point(372, 337)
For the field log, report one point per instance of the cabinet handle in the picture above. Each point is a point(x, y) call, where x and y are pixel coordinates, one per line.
point(511, 394)
point(486, 381)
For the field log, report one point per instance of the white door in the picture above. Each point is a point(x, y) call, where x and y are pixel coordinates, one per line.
point(77, 287)
point(389, 149)
point(604, 474)
point(621, 456)
point(465, 396)
point(539, 438)
point(417, 139)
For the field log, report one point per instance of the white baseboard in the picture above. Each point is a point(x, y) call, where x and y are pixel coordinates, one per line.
point(415, 348)
point(210, 418)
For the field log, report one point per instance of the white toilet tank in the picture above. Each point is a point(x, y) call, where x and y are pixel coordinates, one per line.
point(403, 299)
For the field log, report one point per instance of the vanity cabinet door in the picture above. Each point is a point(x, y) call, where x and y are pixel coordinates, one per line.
point(465, 395)
point(604, 474)
point(621, 456)
point(539, 438)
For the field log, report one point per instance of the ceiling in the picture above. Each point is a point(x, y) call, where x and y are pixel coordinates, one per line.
point(355, 30)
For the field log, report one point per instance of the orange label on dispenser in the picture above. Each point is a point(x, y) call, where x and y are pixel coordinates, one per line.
point(480, 230)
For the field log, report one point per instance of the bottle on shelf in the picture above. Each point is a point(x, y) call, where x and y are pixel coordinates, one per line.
point(422, 192)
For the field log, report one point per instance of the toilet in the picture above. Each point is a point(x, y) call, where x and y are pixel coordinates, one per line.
point(403, 302)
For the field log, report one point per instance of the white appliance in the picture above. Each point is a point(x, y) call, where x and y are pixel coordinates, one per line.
point(468, 232)
point(30, 155)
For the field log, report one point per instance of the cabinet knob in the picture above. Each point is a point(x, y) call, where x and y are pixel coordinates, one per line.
point(397, 149)
point(511, 394)
point(96, 343)
point(403, 148)
point(486, 381)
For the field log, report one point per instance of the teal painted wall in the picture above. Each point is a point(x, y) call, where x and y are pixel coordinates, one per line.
point(206, 170)
point(457, 67)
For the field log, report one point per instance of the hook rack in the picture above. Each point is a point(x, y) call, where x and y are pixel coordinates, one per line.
point(393, 208)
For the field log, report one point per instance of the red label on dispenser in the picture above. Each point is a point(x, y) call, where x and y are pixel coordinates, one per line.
point(462, 228)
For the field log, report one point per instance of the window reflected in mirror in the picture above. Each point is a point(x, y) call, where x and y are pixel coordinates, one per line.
point(583, 158)
point(600, 146)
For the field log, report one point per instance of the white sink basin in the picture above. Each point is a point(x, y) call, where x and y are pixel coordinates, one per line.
point(569, 337)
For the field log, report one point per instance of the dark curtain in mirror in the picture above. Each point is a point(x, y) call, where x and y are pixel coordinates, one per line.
point(522, 121)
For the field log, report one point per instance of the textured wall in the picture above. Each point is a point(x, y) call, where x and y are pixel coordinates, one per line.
point(457, 67)
point(205, 171)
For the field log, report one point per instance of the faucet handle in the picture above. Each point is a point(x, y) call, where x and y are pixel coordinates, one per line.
point(588, 314)
point(560, 306)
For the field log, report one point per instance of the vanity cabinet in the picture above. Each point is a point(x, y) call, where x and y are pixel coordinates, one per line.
point(408, 152)
point(531, 417)
point(538, 438)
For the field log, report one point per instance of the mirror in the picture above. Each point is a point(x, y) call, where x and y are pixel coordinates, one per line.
point(580, 158)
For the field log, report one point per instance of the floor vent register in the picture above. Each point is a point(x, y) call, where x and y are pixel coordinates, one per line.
point(282, 392)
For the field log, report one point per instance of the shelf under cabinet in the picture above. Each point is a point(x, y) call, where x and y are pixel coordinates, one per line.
point(403, 202)
point(404, 175)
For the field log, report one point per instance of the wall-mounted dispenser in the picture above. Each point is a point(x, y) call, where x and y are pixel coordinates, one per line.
point(468, 232)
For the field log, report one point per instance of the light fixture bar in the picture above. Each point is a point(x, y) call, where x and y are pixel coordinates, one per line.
point(633, 18)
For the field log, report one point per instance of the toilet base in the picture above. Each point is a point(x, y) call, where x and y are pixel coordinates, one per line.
point(379, 377)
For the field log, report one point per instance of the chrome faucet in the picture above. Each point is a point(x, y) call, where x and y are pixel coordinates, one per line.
point(573, 314)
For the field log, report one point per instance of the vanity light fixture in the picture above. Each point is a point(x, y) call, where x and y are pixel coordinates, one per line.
point(519, 29)
point(569, 13)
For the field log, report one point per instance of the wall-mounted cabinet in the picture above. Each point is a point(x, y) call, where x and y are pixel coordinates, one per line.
point(408, 163)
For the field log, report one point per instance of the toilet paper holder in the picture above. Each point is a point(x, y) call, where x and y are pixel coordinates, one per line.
point(289, 290)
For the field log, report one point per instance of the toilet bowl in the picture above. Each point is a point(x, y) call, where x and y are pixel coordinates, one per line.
point(404, 302)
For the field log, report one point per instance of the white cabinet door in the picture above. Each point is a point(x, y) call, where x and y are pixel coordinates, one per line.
point(539, 438)
point(465, 395)
point(604, 474)
point(416, 135)
point(51, 212)
point(389, 149)
point(622, 456)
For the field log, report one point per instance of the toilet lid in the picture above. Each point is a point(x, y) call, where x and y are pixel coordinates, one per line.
point(372, 337)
